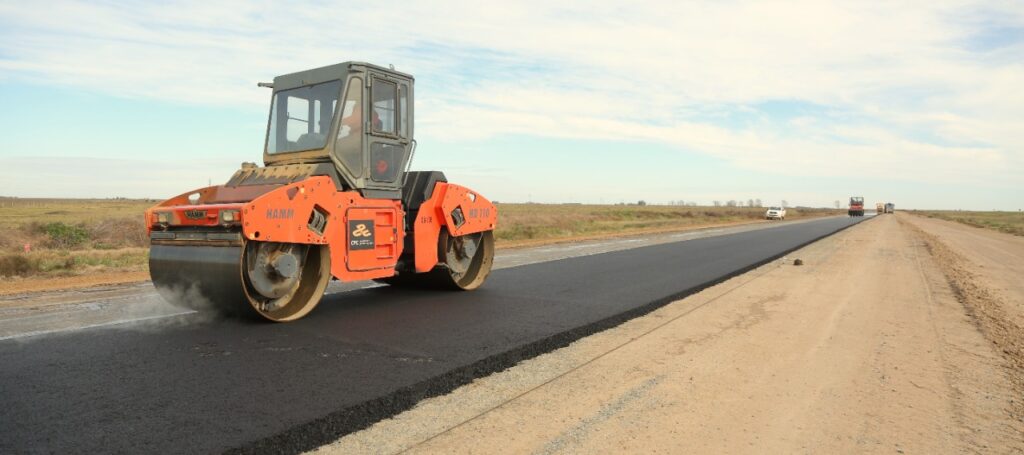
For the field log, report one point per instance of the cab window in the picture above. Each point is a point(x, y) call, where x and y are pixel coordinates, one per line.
point(403, 106)
point(385, 115)
point(348, 145)
point(301, 117)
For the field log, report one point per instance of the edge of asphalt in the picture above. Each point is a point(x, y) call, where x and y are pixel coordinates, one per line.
point(324, 430)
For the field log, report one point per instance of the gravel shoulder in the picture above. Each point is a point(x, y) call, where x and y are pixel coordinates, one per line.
point(867, 347)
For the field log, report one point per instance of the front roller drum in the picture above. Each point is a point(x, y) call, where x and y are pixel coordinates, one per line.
point(280, 282)
point(285, 281)
point(202, 278)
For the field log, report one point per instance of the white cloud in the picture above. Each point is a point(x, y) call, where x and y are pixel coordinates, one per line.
point(915, 97)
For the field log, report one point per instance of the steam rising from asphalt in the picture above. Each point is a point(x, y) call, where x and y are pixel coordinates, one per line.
point(137, 308)
point(174, 306)
point(144, 310)
point(186, 297)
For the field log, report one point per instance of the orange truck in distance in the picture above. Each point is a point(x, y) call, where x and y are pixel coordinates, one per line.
point(856, 206)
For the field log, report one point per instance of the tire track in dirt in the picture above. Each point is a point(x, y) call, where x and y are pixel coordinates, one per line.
point(985, 308)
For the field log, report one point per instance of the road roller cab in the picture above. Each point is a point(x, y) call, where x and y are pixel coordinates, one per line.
point(355, 115)
point(334, 199)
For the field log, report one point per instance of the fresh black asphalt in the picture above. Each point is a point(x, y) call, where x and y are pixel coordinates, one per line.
point(185, 385)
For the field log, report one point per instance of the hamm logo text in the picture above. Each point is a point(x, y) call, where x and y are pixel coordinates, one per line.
point(280, 214)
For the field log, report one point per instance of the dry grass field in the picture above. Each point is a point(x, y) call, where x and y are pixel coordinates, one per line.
point(15, 212)
point(1008, 222)
point(67, 237)
point(55, 237)
point(520, 224)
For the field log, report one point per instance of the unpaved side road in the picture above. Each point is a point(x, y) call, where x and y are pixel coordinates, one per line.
point(986, 272)
point(864, 348)
point(993, 260)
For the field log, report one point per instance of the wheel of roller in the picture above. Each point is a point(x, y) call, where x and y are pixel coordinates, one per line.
point(465, 263)
point(284, 281)
point(468, 259)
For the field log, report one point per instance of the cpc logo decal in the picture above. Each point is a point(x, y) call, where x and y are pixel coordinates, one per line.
point(361, 231)
point(360, 234)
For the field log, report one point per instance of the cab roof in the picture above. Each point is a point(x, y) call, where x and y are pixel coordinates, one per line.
point(329, 73)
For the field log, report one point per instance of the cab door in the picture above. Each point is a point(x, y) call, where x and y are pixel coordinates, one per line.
point(389, 131)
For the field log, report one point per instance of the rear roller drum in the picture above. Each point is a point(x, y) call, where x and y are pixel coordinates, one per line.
point(465, 263)
point(468, 259)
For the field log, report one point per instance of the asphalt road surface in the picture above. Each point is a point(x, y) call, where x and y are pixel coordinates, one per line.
point(185, 384)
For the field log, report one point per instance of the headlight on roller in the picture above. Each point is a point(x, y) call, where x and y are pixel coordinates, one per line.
point(229, 216)
point(163, 217)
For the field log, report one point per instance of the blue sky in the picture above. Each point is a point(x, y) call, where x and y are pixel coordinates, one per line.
point(810, 102)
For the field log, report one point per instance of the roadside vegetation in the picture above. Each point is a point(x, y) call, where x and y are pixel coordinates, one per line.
point(52, 238)
point(1008, 222)
point(59, 237)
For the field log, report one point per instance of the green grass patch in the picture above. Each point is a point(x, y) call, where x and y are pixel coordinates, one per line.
point(64, 236)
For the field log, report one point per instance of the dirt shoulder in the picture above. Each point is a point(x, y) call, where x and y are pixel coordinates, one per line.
point(984, 269)
point(993, 260)
point(865, 347)
point(24, 285)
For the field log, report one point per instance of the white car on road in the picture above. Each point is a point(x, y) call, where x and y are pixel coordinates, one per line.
point(775, 213)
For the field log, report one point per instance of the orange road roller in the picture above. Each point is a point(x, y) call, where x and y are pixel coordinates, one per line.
point(334, 198)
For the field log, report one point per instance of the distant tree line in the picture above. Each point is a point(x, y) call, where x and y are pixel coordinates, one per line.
point(751, 202)
point(735, 203)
